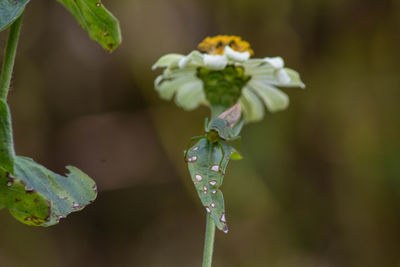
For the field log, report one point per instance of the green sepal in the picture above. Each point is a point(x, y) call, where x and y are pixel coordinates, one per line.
point(10, 10)
point(7, 154)
point(37, 196)
point(101, 25)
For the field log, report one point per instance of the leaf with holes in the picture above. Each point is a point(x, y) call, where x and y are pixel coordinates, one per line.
point(10, 10)
point(7, 153)
point(101, 25)
point(207, 173)
point(37, 196)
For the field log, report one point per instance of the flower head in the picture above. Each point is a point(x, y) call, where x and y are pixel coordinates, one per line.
point(221, 73)
point(216, 45)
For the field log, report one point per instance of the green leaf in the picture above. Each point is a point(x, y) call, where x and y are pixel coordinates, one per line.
point(7, 153)
point(207, 172)
point(39, 197)
point(10, 10)
point(101, 25)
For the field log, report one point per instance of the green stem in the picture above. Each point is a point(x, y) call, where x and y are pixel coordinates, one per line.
point(9, 58)
point(209, 242)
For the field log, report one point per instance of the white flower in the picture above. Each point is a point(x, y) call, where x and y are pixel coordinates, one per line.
point(203, 79)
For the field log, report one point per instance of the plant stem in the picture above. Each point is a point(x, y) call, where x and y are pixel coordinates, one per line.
point(9, 57)
point(209, 242)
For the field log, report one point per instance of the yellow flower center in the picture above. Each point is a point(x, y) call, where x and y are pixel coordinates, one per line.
point(215, 45)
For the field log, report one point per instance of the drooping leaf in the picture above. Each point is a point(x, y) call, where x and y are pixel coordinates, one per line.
point(37, 196)
point(7, 153)
point(10, 10)
point(207, 174)
point(101, 25)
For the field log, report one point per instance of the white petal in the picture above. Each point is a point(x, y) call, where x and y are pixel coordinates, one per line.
point(167, 88)
point(254, 62)
point(215, 62)
point(282, 76)
point(166, 60)
point(295, 80)
point(194, 58)
point(258, 67)
point(265, 70)
point(235, 55)
point(252, 106)
point(190, 95)
point(273, 98)
point(267, 79)
point(158, 80)
point(183, 62)
point(276, 62)
point(289, 78)
point(177, 73)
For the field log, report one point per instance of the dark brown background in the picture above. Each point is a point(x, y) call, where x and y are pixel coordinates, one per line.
point(319, 183)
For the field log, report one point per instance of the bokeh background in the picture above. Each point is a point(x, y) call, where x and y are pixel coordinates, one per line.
point(319, 185)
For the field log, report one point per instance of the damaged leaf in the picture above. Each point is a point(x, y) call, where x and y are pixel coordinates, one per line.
point(101, 25)
point(37, 196)
point(10, 10)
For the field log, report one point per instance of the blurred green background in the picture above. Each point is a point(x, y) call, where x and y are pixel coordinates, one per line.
point(319, 185)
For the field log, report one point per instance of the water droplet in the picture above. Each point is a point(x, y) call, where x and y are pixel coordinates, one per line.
point(213, 182)
point(215, 168)
point(59, 217)
point(208, 209)
point(75, 205)
point(98, 4)
point(212, 205)
point(95, 188)
point(225, 229)
point(198, 177)
point(9, 183)
point(222, 219)
point(195, 148)
point(192, 159)
point(214, 191)
point(205, 189)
